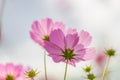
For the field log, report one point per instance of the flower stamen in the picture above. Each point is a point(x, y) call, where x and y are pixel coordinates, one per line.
point(68, 54)
point(46, 38)
point(9, 77)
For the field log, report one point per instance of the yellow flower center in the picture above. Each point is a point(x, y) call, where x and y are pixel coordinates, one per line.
point(31, 74)
point(9, 77)
point(46, 38)
point(68, 54)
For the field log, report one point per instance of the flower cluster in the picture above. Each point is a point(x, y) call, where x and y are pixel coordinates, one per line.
point(62, 45)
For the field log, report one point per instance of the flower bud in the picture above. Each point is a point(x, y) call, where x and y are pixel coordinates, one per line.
point(90, 76)
point(87, 69)
point(31, 74)
point(110, 52)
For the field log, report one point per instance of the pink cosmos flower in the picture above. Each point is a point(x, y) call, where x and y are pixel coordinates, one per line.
point(11, 72)
point(69, 46)
point(101, 58)
point(41, 30)
point(100, 61)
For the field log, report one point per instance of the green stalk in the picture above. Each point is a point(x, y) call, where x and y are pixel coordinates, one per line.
point(105, 68)
point(66, 67)
point(45, 67)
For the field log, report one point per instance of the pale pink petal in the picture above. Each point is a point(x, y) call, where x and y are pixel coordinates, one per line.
point(85, 38)
point(22, 78)
point(18, 69)
point(1, 78)
point(71, 40)
point(10, 68)
point(2, 71)
point(72, 62)
point(71, 31)
point(78, 47)
point(90, 53)
point(36, 38)
point(57, 37)
point(37, 28)
point(46, 25)
point(52, 48)
point(59, 25)
point(57, 58)
point(78, 58)
point(43, 27)
point(80, 54)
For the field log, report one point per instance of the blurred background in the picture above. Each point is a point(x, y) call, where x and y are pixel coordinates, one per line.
point(99, 17)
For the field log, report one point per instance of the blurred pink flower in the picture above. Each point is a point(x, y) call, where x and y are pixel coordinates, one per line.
point(69, 47)
point(100, 61)
point(11, 72)
point(41, 30)
point(100, 58)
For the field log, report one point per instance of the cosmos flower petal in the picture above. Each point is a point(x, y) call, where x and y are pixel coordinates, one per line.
point(36, 38)
point(57, 37)
point(85, 38)
point(71, 40)
point(2, 71)
point(10, 68)
point(37, 28)
point(46, 25)
point(57, 58)
point(80, 54)
point(43, 27)
point(71, 31)
point(18, 68)
point(52, 48)
point(72, 62)
point(90, 53)
point(59, 25)
point(78, 47)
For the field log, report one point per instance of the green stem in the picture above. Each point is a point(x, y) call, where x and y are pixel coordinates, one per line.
point(45, 68)
point(66, 67)
point(105, 68)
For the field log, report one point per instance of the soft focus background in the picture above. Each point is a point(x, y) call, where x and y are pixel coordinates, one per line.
point(99, 17)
